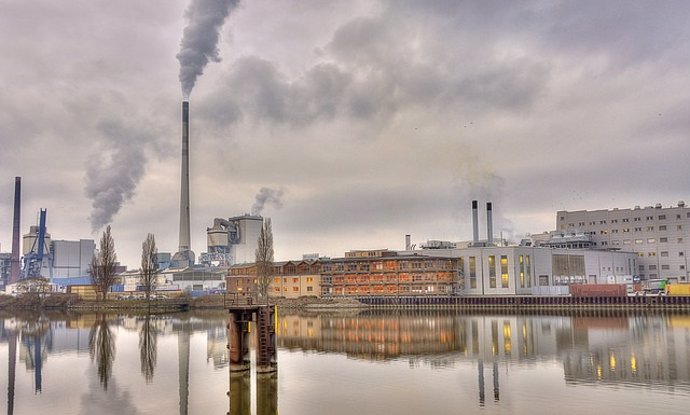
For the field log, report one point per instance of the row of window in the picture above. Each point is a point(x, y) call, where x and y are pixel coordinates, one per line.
point(664, 267)
point(662, 240)
point(626, 220)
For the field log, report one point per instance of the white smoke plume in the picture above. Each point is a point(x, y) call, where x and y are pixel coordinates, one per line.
point(267, 196)
point(113, 175)
point(199, 43)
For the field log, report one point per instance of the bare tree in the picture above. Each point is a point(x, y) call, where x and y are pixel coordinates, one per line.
point(148, 348)
point(102, 267)
point(264, 260)
point(149, 265)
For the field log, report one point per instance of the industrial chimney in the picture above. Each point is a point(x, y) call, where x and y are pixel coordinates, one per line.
point(475, 223)
point(489, 225)
point(14, 260)
point(184, 257)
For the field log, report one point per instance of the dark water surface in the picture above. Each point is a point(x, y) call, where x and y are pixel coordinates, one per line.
point(371, 362)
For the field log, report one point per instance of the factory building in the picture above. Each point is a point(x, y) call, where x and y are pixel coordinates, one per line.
point(509, 270)
point(289, 279)
point(5, 268)
point(232, 241)
point(659, 236)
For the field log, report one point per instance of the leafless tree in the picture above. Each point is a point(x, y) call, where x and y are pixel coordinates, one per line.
point(149, 265)
point(264, 260)
point(102, 267)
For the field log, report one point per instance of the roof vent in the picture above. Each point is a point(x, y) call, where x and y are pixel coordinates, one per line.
point(681, 203)
point(658, 206)
point(637, 207)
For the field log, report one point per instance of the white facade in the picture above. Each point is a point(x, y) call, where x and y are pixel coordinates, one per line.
point(534, 270)
point(244, 251)
point(72, 258)
point(659, 236)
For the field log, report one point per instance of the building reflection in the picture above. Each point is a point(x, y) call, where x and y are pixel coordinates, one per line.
point(593, 347)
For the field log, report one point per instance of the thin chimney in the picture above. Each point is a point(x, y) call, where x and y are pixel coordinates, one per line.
point(408, 242)
point(14, 259)
point(489, 225)
point(475, 223)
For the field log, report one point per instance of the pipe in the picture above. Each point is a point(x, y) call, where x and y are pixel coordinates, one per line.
point(489, 225)
point(475, 223)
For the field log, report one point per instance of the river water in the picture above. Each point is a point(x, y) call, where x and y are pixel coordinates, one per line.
point(370, 362)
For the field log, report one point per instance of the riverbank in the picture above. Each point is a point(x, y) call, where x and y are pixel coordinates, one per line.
point(209, 302)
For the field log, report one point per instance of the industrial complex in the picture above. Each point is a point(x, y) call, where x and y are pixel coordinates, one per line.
point(618, 246)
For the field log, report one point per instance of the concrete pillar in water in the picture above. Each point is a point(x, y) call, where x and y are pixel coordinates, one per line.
point(238, 342)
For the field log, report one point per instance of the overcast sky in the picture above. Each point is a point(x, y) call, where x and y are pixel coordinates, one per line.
point(369, 119)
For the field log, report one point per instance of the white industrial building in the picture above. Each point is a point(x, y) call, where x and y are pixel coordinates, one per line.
point(72, 258)
point(232, 241)
point(659, 236)
point(506, 270)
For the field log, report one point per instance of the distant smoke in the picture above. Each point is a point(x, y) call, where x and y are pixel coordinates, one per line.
point(200, 39)
point(112, 180)
point(266, 195)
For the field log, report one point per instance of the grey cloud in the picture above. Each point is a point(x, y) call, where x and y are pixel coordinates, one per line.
point(199, 43)
point(369, 75)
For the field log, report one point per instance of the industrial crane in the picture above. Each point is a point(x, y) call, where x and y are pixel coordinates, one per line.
point(33, 260)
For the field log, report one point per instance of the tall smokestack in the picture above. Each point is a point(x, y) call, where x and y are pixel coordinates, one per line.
point(14, 260)
point(408, 242)
point(185, 244)
point(475, 223)
point(489, 225)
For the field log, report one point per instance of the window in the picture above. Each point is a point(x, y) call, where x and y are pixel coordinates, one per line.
point(680, 240)
point(626, 242)
point(641, 267)
point(650, 228)
point(662, 227)
point(652, 267)
point(662, 217)
point(651, 254)
point(504, 271)
point(543, 280)
point(682, 267)
point(295, 289)
point(276, 280)
point(663, 253)
point(614, 221)
point(310, 288)
point(521, 260)
point(310, 279)
point(295, 280)
point(679, 227)
point(663, 240)
point(626, 220)
point(664, 267)
point(677, 216)
point(602, 222)
point(681, 253)
point(637, 219)
point(638, 241)
point(492, 271)
point(638, 229)
point(651, 240)
point(626, 229)
point(473, 272)
point(650, 217)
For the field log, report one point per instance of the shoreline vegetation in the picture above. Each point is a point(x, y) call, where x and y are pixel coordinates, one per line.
point(58, 301)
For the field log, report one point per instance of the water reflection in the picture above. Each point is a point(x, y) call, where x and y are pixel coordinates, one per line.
point(648, 349)
point(102, 349)
point(148, 348)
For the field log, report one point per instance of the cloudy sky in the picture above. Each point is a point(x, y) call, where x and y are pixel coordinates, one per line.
point(369, 119)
